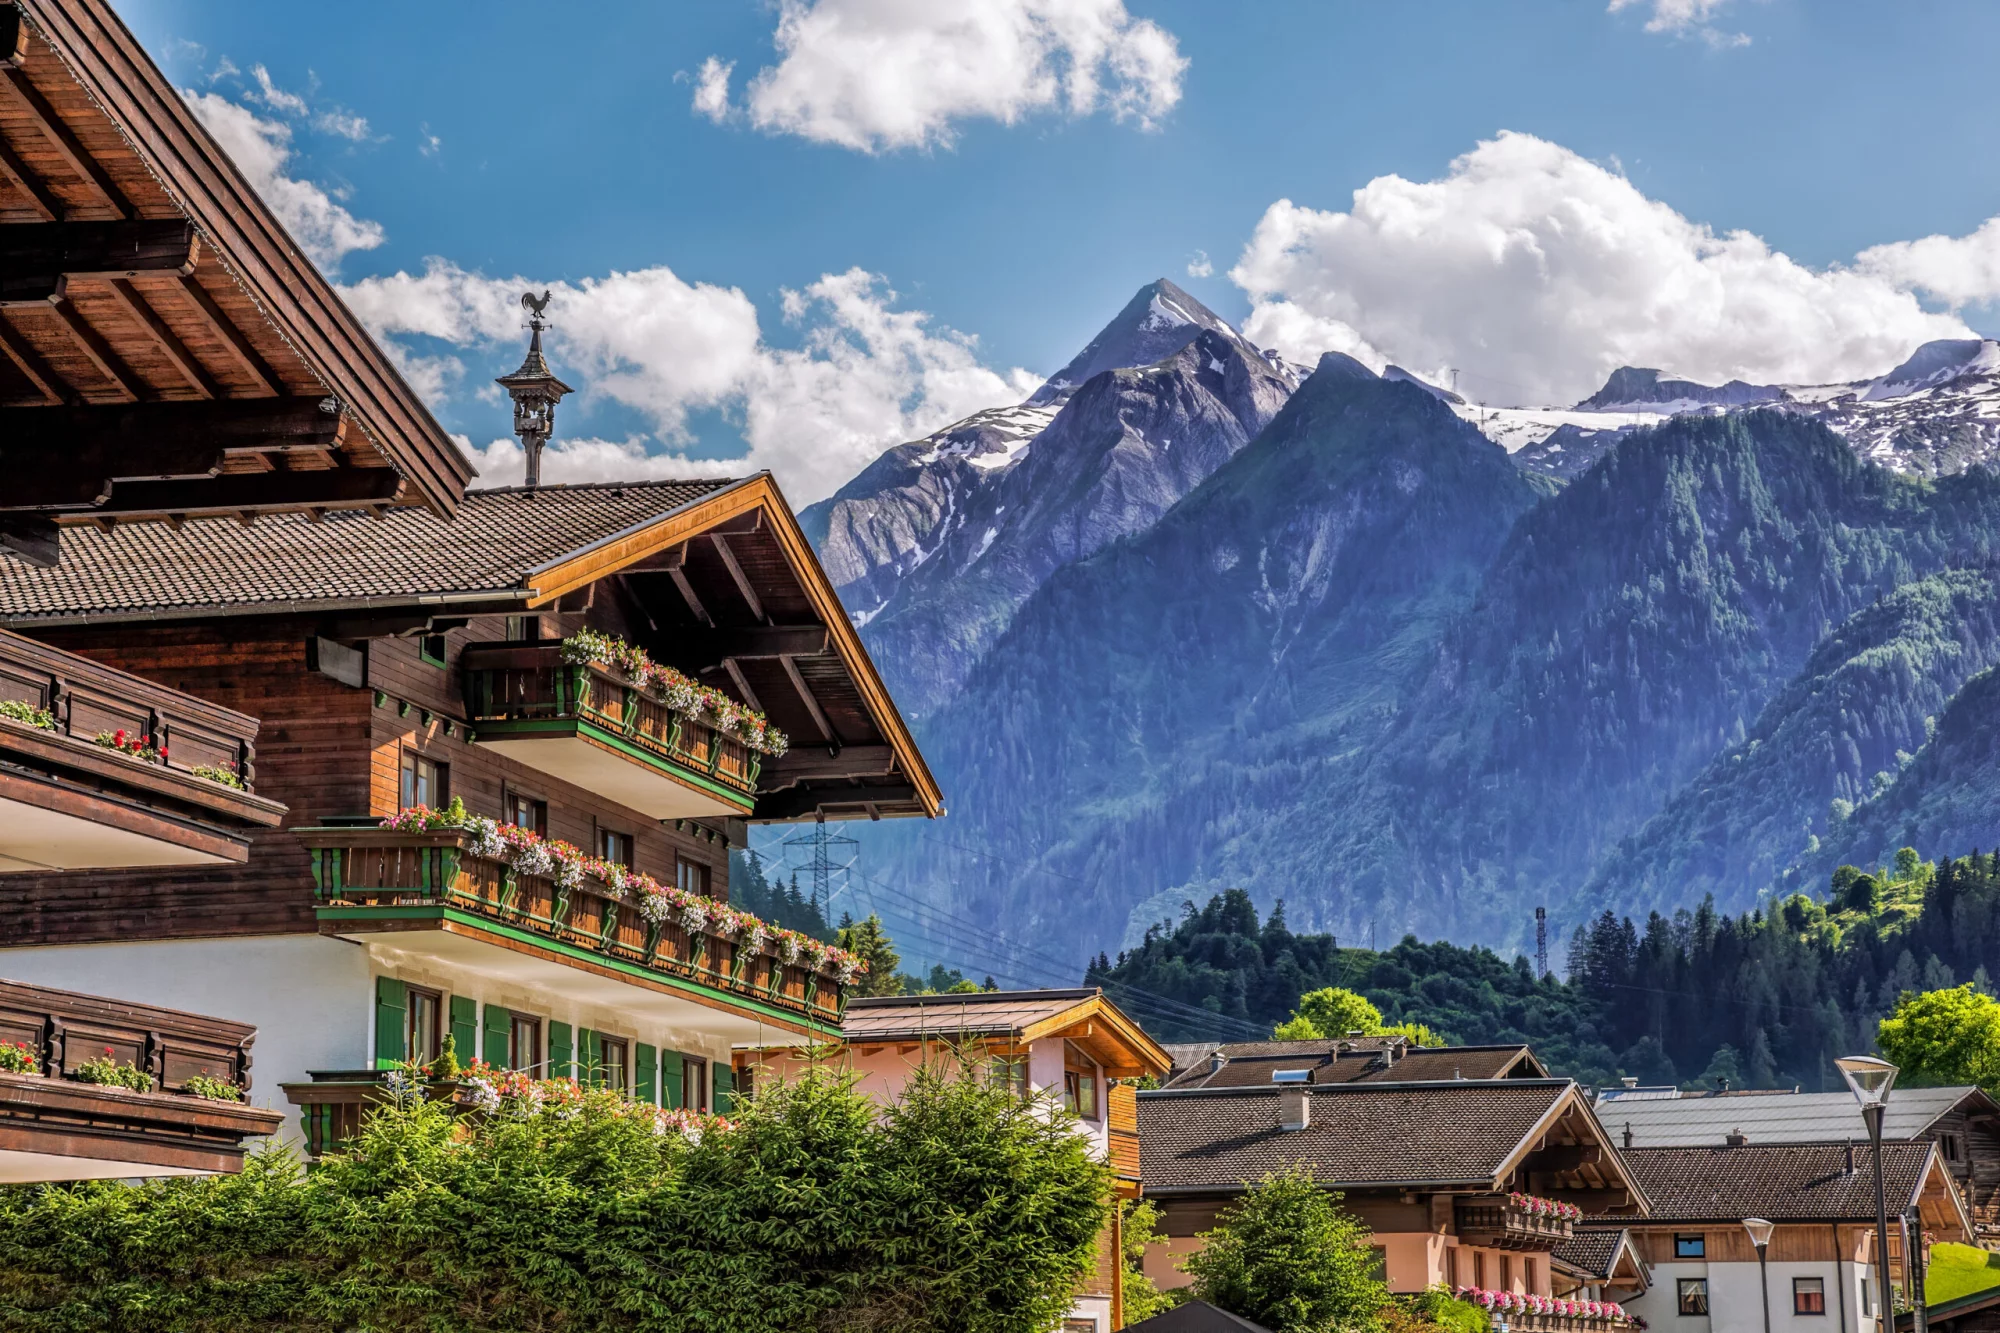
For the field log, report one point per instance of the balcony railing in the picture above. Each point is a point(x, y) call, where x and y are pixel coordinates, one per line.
point(374, 874)
point(1501, 1224)
point(517, 694)
point(79, 804)
point(332, 1105)
point(1528, 1322)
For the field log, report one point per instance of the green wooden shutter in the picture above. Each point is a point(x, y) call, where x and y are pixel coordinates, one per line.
point(645, 1073)
point(589, 1057)
point(392, 1004)
point(499, 1027)
point(465, 1028)
point(725, 1089)
point(675, 1095)
point(560, 1051)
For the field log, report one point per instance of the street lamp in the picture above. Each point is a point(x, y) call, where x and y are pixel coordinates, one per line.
point(1760, 1236)
point(1870, 1079)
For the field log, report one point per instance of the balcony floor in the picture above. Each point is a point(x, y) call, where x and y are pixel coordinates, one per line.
point(599, 762)
point(506, 956)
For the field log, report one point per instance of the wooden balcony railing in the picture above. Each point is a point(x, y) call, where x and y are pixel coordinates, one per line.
point(511, 690)
point(332, 1105)
point(1521, 1322)
point(359, 873)
point(155, 812)
point(1497, 1223)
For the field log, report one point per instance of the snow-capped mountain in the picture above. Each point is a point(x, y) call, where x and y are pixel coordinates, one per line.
point(1935, 414)
point(936, 543)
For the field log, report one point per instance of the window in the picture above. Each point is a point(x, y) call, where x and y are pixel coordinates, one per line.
point(425, 782)
point(1506, 1272)
point(1079, 1082)
point(525, 812)
point(1478, 1269)
point(524, 629)
point(524, 1043)
point(421, 1034)
point(1948, 1145)
point(1378, 1262)
point(694, 1083)
point(691, 876)
point(615, 847)
point(611, 1068)
point(1692, 1293)
point(1527, 1274)
point(1011, 1071)
point(1868, 1300)
point(1808, 1295)
point(431, 648)
point(1451, 1267)
point(1690, 1247)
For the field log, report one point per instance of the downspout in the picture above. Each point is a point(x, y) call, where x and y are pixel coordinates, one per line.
point(1839, 1282)
point(1118, 1263)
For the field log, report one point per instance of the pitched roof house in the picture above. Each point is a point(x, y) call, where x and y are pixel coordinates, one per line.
point(1348, 1060)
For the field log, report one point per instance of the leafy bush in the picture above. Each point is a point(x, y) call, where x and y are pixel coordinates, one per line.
point(959, 1207)
point(212, 1089)
point(105, 1071)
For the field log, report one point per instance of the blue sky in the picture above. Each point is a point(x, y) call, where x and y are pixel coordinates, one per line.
point(513, 140)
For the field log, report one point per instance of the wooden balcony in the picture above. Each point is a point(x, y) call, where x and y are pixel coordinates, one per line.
point(1517, 1322)
point(1494, 1222)
point(68, 803)
point(332, 1104)
point(589, 725)
point(53, 1127)
point(370, 880)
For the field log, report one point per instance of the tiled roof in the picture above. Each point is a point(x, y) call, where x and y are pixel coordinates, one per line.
point(1781, 1181)
point(1358, 1135)
point(1186, 1054)
point(1791, 1117)
point(1195, 1317)
point(1590, 1251)
point(973, 1014)
point(497, 538)
point(1253, 1063)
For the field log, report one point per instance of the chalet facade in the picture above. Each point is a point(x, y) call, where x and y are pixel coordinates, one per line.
point(1466, 1183)
point(60, 1121)
point(1075, 1045)
point(1820, 1260)
point(1963, 1122)
point(410, 660)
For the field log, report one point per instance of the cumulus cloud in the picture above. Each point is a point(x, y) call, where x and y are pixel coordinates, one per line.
point(1686, 18)
point(863, 375)
point(875, 75)
point(342, 123)
point(711, 89)
point(261, 149)
point(275, 97)
point(1199, 266)
point(1539, 272)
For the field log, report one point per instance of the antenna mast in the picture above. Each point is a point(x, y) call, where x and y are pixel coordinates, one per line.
point(1541, 942)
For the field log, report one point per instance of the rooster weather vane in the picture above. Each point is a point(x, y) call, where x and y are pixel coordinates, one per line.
point(534, 389)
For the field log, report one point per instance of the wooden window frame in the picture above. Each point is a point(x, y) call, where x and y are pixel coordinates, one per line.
point(605, 1044)
point(516, 629)
point(1800, 1294)
point(439, 1024)
point(695, 1087)
point(1693, 1246)
point(706, 875)
point(1077, 1067)
point(631, 844)
point(424, 653)
point(1691, 1287)
point(538, 809)
point(516, 1019)
point(407, 761)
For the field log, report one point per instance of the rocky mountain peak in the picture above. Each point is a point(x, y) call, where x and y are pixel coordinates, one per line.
point(1634, 386)
point(1157, 322)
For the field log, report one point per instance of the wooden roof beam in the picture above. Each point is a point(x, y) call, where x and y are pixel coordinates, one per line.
point(800, 802)
point(22, 177)
point(30, 363)
point(74, 155)
point(109, 364)
point(371, 489)
point(742, 685)
point(812, 763)
point(36, 257)
point(751, 642)
point(806, 697)
point(61, 457)
point(737, 575)
point(230, 336)
point(128, 298)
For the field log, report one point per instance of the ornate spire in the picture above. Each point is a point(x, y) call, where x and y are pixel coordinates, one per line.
point(534, 389)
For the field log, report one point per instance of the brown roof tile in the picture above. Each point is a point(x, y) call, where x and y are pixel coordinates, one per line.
point(1781, 1181)
point(1590, 1251)
point(497, 538)
point(973, 1014)
point(1359, 1135)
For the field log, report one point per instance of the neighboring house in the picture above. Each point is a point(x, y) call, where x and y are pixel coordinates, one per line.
point(1964, 1122)
point(1075, 1045)
point(167, 351)
point(1196, 1317)
point(55, 1126)
point(1705, 1272)
point(1354, 1059)
point(1454, 1177)
point(407, 660)
point(1600, 1265)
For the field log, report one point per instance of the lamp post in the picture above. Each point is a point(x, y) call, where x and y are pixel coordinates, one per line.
point(1760, 1235)
point(1870, 1079)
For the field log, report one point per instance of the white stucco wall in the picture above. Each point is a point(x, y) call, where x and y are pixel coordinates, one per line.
point(1735, 1298)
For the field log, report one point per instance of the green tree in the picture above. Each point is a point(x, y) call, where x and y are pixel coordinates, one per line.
point(1330, 1012)
point(1141, 1229)
point(1287, 1256)
point(866, 940)
point(1945, 1037)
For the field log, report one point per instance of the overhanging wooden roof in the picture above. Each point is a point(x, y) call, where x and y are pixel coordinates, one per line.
point(166, 350)
point(1081, 1015)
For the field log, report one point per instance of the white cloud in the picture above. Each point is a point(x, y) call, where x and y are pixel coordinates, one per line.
point(428, 144)
point(343, 123)
point(1200, 266)
point(711, 89)
point(863, 377)
point(275, 97)
point(1686, 18)
point(1529, 266)
point(261, 149)
point(886, 74)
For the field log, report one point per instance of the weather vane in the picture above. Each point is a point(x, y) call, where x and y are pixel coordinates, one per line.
point(534, 389)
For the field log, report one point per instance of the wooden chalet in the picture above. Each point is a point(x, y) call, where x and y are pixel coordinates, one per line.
point(1819, 1267)
point(1075, 1045)
point(166, 351)
point(56, 1126)
point(1454, 1177)
point(413, 659)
